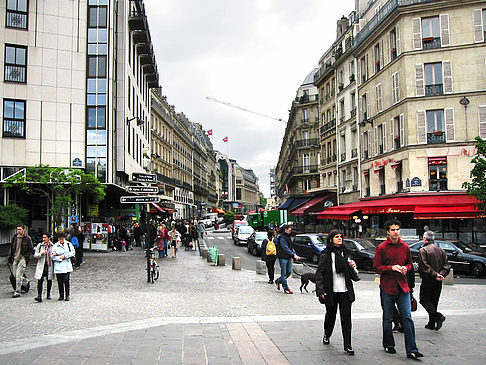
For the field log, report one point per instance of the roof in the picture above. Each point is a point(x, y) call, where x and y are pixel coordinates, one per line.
point(309, 79)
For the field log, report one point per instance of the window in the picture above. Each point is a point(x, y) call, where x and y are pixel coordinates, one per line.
point(364, 69)
point(342, 114)
point(97, 17)
point(393, 44)
point(14, 118)
point(15, 63)
point(351, 71)
point(479, 20)
point(342, 147)
point(306, 163)
point(430, 33)
point(17, 14)
point(305, 115)
point(379, 139)
point(96, 66)
point(306, 185)
point(435, 126)
point(395, 88)
point(437, 173)
point(377, 57)
point(317, 114)
point(433, 79)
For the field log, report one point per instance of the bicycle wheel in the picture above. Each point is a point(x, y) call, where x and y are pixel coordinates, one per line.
point(151, 272)
point(156, 272)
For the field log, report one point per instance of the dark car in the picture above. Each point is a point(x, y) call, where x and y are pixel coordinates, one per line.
point(310, 245)
point(254, 243)
point(461, 257)
point(362, 252)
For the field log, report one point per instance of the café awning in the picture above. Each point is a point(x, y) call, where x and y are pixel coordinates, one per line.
point(314, 205)
point(293, 203)
point(341, 212)
point(444, 212)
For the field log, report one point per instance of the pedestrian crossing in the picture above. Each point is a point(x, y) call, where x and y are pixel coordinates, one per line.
point(218, 237)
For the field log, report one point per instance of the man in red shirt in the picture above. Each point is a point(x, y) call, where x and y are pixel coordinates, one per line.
point(392, 261)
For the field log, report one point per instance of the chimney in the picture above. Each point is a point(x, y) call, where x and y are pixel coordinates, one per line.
point(339, 29)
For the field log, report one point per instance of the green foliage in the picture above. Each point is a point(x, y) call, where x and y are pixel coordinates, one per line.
point(229, 217)
point(59, 185)
point(263, 200)
point(477, 187)
point(11, 215)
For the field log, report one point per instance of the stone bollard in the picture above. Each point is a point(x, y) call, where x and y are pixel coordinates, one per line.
point(297, 270)
point(236, 263)
point(449, 279)
point(208, 257)
point(221, 259)
point(261, 268)
point(205, 253)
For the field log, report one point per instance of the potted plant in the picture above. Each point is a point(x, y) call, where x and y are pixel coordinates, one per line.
point(438, 133)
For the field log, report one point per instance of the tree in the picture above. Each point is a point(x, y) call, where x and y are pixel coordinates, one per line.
point(58, 185)
point(11, 215)
point(229, 217)
point(477, 187)
point(263, 200)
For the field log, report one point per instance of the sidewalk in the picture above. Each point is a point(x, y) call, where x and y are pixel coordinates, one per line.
point(199, 314)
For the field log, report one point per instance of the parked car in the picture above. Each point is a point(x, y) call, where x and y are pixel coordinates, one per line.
point(461, 257)
point(362, 252)
point(310, 245)
point(254, 244)
point(207, 222)
point(236, 224)
point(242, 234)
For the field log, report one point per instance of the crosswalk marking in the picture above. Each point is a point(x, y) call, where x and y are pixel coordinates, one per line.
point(210, 238)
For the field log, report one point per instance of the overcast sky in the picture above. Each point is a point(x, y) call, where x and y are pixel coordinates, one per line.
point(252, 53)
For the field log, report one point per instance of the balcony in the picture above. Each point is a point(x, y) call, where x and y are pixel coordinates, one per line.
point(307, 99)
point(431, 43)
point(310, 142)
point(394, 54)
point(382, 189)
point(140, 36)
point(307, 169)
point(187, 186)
point(437, 185)
point(165, 179)
point(343, 157)
point(341, 119)
point(305, 120)
point(431, 90)
point(328, 126)
point(436, 137)
point(354, 153)
point(136, 16)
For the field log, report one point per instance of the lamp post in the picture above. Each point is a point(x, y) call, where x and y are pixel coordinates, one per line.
point(465, 102)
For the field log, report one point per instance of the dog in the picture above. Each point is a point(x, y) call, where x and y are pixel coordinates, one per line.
point(305, 278)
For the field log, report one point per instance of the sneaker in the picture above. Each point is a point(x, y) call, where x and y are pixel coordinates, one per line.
point(349, 351)
point(38, 299)
point(326, 340)
point(270, 281)
point(15, 295)
point(288, 291)
point(390, 350)
point(439, 323)
point(414, 355)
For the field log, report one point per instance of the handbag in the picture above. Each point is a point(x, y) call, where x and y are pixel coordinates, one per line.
point(414, 303)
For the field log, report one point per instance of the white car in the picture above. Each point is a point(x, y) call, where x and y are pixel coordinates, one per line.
point(242, 234)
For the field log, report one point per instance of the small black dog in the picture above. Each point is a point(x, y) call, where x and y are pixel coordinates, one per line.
point(305, 278)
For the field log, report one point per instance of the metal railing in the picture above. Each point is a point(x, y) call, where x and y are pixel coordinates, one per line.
point(328, 126)
point(431, 90)
point(437, 185)
point(310, 142)
point(14, 73)
point(353, 112)
point(307, 169)
point(436, 137)
point(16, 19)
point(307, 98)
point(431, 43)
point(399, 186)
point(14, 128)
point(343, 156)
point(382, 189)
point(355, 187)
point(367, 191)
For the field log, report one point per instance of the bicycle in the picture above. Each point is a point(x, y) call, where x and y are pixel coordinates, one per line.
point(152, 266)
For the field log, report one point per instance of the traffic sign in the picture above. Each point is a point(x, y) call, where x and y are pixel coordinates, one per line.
point(144, 178)
point(139, 199)
point(142, 189)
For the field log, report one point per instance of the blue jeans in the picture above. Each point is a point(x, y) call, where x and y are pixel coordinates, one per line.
point(404, 308)
point(285, 272)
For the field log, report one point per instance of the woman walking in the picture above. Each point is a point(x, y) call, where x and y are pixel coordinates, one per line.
point(62, 252)
point(270, 255)
point(45, 266)
point(334, 287)
point(175, 238)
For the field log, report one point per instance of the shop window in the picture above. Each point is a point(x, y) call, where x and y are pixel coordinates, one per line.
point(438, 173)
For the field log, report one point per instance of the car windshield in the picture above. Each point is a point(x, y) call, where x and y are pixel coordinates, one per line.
point(461, 245)
point(364, 245)
point(245, 229)
point(260, 236)
point(319, 240)
point(417, 245)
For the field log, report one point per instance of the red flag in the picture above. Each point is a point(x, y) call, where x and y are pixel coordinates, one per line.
point(225, 139)
point(210, 132)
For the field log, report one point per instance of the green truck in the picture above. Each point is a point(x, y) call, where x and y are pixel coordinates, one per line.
point(261, 220)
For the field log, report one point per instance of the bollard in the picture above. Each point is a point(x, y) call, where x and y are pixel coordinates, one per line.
point(261, 268)
point(221, 259)
point(205, 253)
point(449, 279)
point(236, 263)
point(297, 270)
point(208, 257)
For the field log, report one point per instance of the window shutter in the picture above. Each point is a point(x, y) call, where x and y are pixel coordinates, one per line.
point(362, 149)
point(397, 84)
point(445, 36)
point(382, 60)
point(379, 102)
point(368, 113)
point(366, 71)
point(449, 124)
point(419, 80)
point(478, 26)
point(417, 33)
point(399, 44)
point(377, 148)
point(392, 132)
point(384, 138)
point(482, 121)
point(359, 70)
point(447, 76)
point(369, 142)
point(389, 48)
point(421, 136)
point(402, 131)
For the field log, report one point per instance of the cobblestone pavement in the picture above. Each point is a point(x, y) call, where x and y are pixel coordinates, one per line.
point(198, 314)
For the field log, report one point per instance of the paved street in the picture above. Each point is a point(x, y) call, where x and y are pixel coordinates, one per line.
point(200, 314)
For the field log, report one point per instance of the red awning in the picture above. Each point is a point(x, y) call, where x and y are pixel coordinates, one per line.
point(313, 205)
point(444, 212)
point(161, 209)
point(158, 207)
point(377, 169)
point(340, 213)
point(254, 211)
point(217, 210)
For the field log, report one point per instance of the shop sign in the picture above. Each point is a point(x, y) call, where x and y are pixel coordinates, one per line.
point(94, 210)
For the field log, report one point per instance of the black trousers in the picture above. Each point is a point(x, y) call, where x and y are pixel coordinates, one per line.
point(40, 282)
point(270, 269)
point(63, 284)
point(341, 300)
point(430, 290)
point(79, 254)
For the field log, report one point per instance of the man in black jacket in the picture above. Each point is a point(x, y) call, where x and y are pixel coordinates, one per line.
point(433, 268)
point(285, 253)
point(20, 251)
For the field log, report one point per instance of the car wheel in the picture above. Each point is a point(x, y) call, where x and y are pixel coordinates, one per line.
point(315, 258)
point(477, 269)
point(254, 251)
point(248, 248)
point(368, 265)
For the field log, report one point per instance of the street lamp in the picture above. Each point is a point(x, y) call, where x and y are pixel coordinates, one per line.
point(465, 102)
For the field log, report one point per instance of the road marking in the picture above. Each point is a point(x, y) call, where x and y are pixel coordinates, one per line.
point(210, 238)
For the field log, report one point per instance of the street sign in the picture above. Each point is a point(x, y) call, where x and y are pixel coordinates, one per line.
point(142, 189)
point(144, 178)
point(139, 199)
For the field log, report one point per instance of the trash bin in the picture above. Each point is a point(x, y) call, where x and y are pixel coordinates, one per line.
point(213, 252)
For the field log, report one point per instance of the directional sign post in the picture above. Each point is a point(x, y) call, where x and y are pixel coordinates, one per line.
point(140, 199)
point(142, 189)
point(144, 178)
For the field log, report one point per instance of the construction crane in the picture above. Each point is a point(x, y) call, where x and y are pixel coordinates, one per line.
point(244, 109)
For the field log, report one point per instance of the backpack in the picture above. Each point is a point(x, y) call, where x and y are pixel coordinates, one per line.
point(271, 249)
point(75, 242)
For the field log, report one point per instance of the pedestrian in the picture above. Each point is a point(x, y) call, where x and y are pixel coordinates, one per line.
point(79, 234)
point(269, 255)
point(392, 261)
point(202, 229)
point(20, 251)
point(45, 266)
point(334, 287)
point(175, 239)
point(166, 240)
point(397, 322)
point(62, 252)
point(193, 233)
point(137, 233)
point(285, 253)
point(160, 240)
point(433, 268)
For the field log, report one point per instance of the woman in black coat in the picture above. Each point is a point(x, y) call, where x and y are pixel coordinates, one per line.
point(334, 287)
